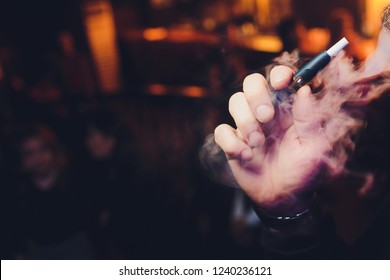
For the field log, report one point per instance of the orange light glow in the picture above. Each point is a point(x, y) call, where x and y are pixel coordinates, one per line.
point(187, 91)
point(372, 18)
point(315, 40)
point(155, 34)
point(264, 43)
point(157, 89)
point(194, 92)
point(100, 29)
point(268, 14)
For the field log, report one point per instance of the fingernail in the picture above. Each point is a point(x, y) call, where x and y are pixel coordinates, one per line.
point(255, 139)
point(246, 155)
point(277, 78)
point(264, 113)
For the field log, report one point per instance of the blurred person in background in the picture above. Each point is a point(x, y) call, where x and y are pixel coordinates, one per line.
point(117, 199)
point(51, 211)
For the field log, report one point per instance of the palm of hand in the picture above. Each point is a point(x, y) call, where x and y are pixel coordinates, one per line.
point(283, 169)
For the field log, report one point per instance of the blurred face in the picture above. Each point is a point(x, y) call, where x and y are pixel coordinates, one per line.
point(37, 158)
point(99, 145)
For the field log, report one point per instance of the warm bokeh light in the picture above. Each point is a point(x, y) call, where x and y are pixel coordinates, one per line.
point(101, 34)
point(262, 43)
point(372, 17)
point(315, 40)
point(270, 13)
point(155, 34)
point(186, 91)
point(194, 92)
point(160, 4)
point(157, 89)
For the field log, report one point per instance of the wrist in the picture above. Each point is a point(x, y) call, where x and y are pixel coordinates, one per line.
point(287, 206)
point(298, 218)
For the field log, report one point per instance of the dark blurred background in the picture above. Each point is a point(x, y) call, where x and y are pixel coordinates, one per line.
point(104, 106)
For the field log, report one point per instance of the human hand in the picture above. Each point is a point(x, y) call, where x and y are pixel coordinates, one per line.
point(275, 170)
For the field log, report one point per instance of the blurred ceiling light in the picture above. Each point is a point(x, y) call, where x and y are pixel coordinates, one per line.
point(157, 89)
point(186, 91)
point(248, 29)
point(209, 24)
point(372, 16)
point(160, 4)
point(269, 13)
point(194, 92)
point(264, 43)
point(101, 35)
point(155, 34)
point(263, 12)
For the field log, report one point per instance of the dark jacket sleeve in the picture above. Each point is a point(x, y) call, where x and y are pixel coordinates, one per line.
point(309, 236)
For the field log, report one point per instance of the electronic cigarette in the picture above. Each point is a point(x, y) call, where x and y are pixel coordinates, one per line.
point(311, 69)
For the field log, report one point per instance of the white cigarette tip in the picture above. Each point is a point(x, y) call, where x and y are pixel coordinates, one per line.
point(336, 48)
